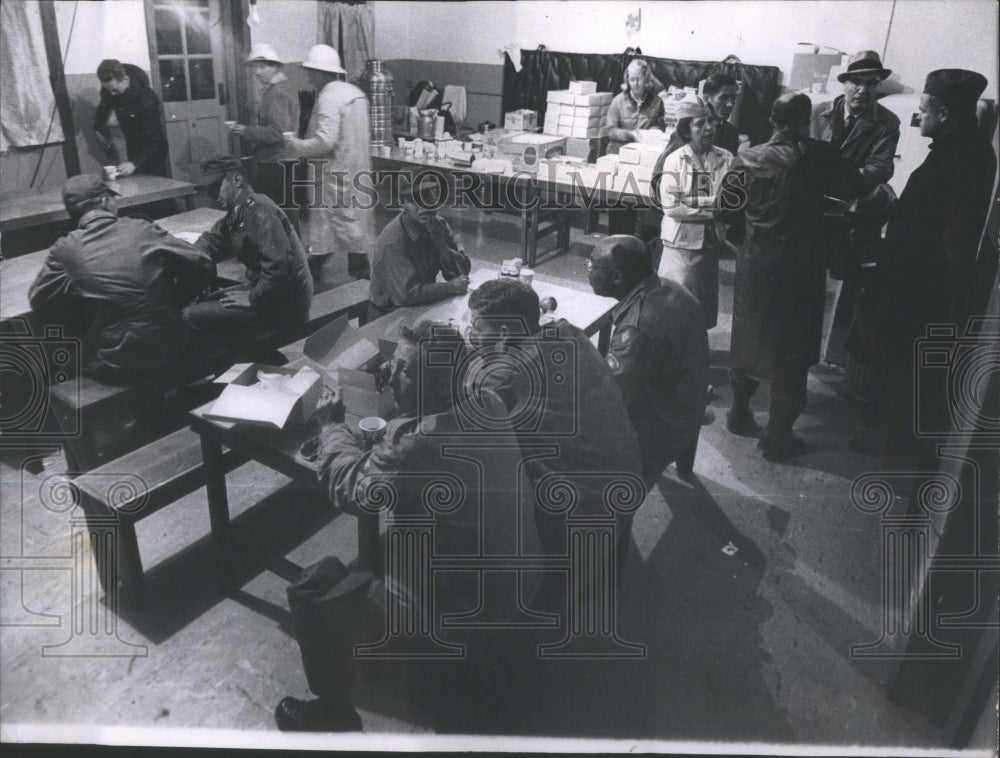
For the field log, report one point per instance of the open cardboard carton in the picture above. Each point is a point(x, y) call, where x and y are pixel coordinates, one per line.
point(245, 400)
point(355, 358)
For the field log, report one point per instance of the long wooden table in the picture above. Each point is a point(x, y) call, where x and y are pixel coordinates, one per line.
point(17, 274)
point(537, 196)
point(279, 449)
point(25, 208)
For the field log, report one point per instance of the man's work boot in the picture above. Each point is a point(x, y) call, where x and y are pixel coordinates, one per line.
point(319, 715)
point(777, 442)
point(739, 419)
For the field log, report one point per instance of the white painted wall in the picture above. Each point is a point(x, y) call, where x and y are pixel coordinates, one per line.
point(288, 25)
point(111, 29)
point(931, 34)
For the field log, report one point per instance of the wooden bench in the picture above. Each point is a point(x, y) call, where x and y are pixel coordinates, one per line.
point(117, 495)
point(80, 403)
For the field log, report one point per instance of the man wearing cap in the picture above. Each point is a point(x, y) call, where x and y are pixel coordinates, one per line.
point(277, 113)
point(135, 276)
point(412, 250)
point(256, 231)
point(125, 90)
point(658, 352)
point(926, 273)
point(340, 219)
point(780, 270)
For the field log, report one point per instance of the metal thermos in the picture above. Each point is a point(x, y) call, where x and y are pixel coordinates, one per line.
point(426, 122)
point(378, 85)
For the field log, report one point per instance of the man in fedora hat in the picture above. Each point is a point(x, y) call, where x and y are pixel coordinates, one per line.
point(340, 218)
point(277, 113)
point(866, 134)
point(927, 270)
point(412, 249)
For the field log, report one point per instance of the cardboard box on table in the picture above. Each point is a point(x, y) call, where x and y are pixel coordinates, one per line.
point(582, 86)
point(523, 119)
point(244, 400)
point(525, 150)
point(352, 358)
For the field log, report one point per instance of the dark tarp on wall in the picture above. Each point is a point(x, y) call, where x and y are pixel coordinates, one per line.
point(542, 70)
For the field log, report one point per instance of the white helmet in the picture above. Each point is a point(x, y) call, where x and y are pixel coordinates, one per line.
point(261, 52)
point(323, 58)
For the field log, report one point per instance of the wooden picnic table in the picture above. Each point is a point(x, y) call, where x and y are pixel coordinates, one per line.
point(21, 209)
point(280, 449)
point(536, 197)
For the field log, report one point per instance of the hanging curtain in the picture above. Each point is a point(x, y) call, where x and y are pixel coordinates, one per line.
point(350, 29)
point(28, 107)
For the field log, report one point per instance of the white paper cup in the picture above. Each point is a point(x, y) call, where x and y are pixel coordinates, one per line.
point(110, 172)
point(372, 430)
point(401, 141)
point(229, 124)
point(526, 275)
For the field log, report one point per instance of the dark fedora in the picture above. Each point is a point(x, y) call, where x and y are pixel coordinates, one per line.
point(864, 63)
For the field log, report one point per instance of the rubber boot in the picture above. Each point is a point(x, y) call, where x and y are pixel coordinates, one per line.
point(739, 419)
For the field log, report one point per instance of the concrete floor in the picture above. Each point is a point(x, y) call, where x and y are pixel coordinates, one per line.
point(748, 647)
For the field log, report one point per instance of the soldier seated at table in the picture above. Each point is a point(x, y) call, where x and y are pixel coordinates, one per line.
point(415, 467)
point(279, 286)
point(134, 277)
point(659, 351)
point(562, 396)
point(413, 249)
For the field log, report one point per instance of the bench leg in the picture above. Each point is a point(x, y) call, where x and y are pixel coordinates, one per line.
point(119, 567)
point(131, 582)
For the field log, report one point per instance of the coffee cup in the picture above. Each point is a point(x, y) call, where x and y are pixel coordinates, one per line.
point(110, 173)
point(401, 141)
point(372, 430)
point(526, 275)
point(229, 124)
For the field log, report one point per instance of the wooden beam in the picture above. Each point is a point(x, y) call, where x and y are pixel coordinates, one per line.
point(236, 43)
point(57, 77)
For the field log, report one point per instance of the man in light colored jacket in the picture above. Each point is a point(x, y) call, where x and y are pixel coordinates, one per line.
point(338, 132)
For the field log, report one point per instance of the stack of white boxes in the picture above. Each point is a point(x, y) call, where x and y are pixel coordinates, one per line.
point(577, 112)
point(635, 166)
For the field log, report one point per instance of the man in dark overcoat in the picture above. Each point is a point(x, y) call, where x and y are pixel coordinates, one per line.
point(780, 270)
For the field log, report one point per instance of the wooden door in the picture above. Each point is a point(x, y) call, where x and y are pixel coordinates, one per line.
point(189, 68)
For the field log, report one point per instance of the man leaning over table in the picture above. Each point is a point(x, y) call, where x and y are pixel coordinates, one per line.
point(133, 275)
point(412, 250)
point(257, 232)
point(125, 90)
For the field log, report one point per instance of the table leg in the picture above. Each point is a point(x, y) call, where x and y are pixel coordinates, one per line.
point(529, 236)
point(189, 201)
point(215, 488)
point(368, 544)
